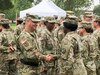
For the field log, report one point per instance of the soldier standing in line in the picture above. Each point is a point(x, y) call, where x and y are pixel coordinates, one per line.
point(90, 47)
point(70, 62)
point(20, 27)
point(49, 46)
point(96, 34)
point(30, 55)
point(8, 50)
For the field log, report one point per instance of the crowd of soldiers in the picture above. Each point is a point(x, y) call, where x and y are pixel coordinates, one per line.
point(51, 46)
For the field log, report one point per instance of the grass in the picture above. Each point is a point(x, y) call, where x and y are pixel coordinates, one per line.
point(13, 26)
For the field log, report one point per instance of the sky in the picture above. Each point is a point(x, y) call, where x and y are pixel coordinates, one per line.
point(96, 2)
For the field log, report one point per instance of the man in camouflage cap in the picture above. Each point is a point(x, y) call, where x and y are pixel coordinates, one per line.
point(88, 16)
point(30, 54)
point(20, 26)
point(8, 47)
point(96, 34)
point(71, 62)
point(90, 47)
point(83, 25)
point(49, 45)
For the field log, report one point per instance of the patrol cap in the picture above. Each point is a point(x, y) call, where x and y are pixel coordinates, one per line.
point(4, 21)
point(33, 17)
point(70, 24)
point(84, 24)
point(88, 14)
point(97, 19)
point(72, 16)
point(69, 12)
point(20, 19)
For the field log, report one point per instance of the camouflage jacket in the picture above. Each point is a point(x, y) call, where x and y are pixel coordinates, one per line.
point(47, 42)
point(28, 45)
point(96, 34)
point(90, 46)
point(7, 38)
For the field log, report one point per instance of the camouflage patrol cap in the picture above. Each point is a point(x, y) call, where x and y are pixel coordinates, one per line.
point(20, 19)
point(4, 21)
point(69, 12)
point(84, 24)
point(88, 14)
point(97, 18)
point(33, 17)
point(72, 17)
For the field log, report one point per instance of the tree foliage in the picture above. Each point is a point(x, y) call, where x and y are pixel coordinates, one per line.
point(72, 4)
point(18, 6)
point(97, 10)
point(5, 4)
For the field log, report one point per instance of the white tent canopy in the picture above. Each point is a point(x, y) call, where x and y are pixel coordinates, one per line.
point(44, 8)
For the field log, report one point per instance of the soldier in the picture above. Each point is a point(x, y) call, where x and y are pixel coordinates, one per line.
point(90, 47)
point(70, 62)
point(88, 17)
point(20, 27)
point(96, 33)
point(30, 55)
point(7, 50)
point(48, 45)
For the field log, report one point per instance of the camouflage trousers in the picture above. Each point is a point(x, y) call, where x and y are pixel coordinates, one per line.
point(98, 66)
point(27, 69)
point(49, 68)
point(75, 68)
point(12, 68)
point(8, 67)
point(90, 67)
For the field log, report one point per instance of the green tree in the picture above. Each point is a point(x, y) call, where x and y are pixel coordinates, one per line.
point(18, 6)
point(73, 5)
point(97, 10)
point(5, 5)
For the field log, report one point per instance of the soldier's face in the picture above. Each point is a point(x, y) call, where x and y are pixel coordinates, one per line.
point(88, 18)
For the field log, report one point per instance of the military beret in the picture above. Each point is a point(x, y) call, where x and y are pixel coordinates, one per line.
point(72, 25)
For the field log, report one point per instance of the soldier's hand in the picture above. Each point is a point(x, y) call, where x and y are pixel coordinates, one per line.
point(49, 58)
point(11, 49)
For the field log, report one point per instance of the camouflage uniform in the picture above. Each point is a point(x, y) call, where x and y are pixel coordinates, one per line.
point(90, 53)
point(96, 34)
point(29, 53)
point(8, 59)
point(19, 29)
point(71, 62)
point(48, 46)
point(59, 34)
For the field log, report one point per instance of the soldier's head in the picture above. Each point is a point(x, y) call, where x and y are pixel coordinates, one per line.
point(19, 21)
point(96, 22)
point(70, 25)
point(31, 22)
point(50, 25)
point(88, 16)
point(4, 24)
point(85, 27)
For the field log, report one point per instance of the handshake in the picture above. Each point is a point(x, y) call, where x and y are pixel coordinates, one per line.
point(50, 57)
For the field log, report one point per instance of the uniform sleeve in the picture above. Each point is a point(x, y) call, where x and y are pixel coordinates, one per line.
point(42, 41)
point(85, 49)
point(67, 50)
point(3, 48)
